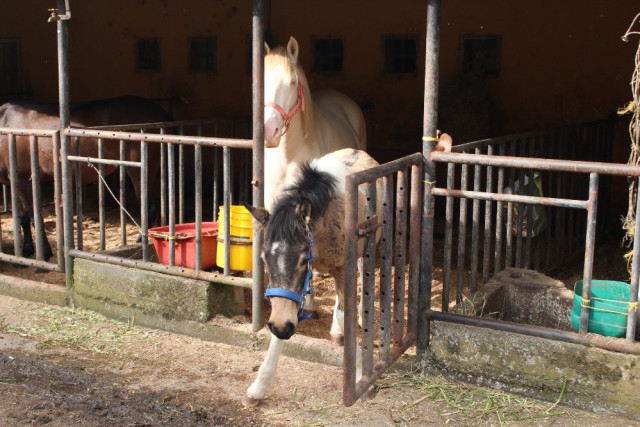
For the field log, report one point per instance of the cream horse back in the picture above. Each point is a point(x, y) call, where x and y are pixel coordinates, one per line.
point(300, 127)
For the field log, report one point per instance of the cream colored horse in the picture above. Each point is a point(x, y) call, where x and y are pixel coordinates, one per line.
point(305, 230)
point(299, 127)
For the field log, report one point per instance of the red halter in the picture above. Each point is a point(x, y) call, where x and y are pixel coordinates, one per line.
point(287, 118)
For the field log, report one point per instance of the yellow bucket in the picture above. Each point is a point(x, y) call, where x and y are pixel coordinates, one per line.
point(240, 243)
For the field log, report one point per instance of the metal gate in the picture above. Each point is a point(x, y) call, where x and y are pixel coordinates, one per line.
point(388, 200)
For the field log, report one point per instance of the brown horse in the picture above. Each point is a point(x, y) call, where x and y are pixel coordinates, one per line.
point(30, 115)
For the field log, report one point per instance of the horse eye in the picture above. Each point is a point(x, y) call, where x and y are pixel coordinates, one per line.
point(304, 261)
point(293, 83)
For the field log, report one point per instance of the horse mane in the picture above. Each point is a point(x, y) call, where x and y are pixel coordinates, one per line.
point(314, 186)
point(279, 57)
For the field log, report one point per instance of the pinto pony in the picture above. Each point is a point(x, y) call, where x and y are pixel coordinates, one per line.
point(305, 231)
point(299, 127)
point(31, 115)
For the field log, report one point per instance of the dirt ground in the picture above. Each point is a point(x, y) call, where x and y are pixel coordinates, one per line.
point(62, 367)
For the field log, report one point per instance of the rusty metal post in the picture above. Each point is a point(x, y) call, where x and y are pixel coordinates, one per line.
point(386, 255)
point(635, 275)
point(102, 213)
point(400, 256)
point(429, 132)
point(65, 144)
point(258, 156)
point(38, 223)
point(198, 204)
point(18, 242)
point(462, 231)
point(144, 200)
point(350, 292)
point(592, 210)
point(57, 194)
point(369, 283)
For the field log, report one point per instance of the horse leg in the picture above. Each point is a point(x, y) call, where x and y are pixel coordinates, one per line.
point(256, 391)
point(337, 331)
point(28, 248)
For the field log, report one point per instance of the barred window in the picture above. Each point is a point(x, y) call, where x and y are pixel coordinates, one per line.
point(400, 54)
point(202, 53)
point(147, 54)
point(327, 55)
point(480, 54)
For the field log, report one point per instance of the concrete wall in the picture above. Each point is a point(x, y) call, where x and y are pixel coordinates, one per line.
point(561, 62)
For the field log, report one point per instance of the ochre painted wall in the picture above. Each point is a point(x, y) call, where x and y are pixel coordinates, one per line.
point(561, 62)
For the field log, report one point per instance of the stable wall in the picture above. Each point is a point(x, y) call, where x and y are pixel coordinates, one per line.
point(561, 62)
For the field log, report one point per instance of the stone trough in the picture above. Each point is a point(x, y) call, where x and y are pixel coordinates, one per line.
point(584, 376)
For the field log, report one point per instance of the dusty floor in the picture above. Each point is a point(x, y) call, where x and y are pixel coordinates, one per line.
point(61, 367)
point(107, 374)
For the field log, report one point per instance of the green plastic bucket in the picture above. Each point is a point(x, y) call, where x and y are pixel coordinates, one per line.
point(608, 308)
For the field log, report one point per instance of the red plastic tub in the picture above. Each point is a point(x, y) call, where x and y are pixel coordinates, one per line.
point(185, 248)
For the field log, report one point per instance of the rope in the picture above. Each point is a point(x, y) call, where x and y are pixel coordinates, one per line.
point(632, 305)
point(118, 201)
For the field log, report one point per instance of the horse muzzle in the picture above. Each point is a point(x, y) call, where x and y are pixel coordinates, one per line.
point(283, 333)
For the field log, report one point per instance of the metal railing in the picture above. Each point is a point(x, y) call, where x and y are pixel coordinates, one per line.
point(495, 200)
point(390, 198)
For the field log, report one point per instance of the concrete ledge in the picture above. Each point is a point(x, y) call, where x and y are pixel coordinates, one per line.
point(597, 380)
point(121, 289)
point(32, 291)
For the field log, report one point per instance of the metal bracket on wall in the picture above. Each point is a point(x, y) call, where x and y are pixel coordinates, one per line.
point(55, 16)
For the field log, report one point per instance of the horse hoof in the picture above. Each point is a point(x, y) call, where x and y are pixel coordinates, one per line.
point(337, 339)
point(249, 402)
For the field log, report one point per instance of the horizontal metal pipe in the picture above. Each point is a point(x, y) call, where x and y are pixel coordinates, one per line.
point(539, 164)
point(29, 262)
point(386, 169)
point(27, 132)
point(242, 282)
point(104, 161)
point(158, 125)
point(158, 137)
point(515, 198)
point(620, 345)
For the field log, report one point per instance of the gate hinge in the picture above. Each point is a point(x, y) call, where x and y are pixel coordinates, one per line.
point(368, 226)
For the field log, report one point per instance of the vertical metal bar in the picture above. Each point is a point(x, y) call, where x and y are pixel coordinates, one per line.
point(400, 257)
point(350, 293)
point(448, 239)
point(163, 182)
point(172, 202)
point(181, 180)
point(486, 252)
point(5, 206)
point(18, 241)
point(414, 248)
point(475, 230)
point(520, 208)
point(102, 214)
point(590, 242)
point(369, 283)
point(57, 194)
point(226, 175)
point(79, 206)
point(38, 224)
point(258, 155)
point(429, 131)
point(198, 207)
point(632, 320)
point(62, 26)
point(144, 199)
point(509, 231)
point(216, 180)
point(386, 255)
point(530, 221)
point(499, 218)
point(123, 198)
point(462, 232)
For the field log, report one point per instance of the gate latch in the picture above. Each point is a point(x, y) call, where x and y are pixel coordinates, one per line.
point(368, 226)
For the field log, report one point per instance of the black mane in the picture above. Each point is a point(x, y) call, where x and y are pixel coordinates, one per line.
point(314, 186)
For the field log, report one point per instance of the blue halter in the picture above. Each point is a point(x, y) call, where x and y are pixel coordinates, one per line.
point(306, 289)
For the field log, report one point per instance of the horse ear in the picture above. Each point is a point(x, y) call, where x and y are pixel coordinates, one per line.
point(260, 214)
point(303, 210)
point(293, 49)
point(267, 49)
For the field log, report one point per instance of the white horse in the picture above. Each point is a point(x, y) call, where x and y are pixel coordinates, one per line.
point(299, 127)
point(305, 230)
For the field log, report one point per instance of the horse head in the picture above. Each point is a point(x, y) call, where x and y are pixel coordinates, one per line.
point(288, 249)
point(285, 88)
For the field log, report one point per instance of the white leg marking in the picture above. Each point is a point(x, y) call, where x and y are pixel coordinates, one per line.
point(338, 320)
point(267, 369)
